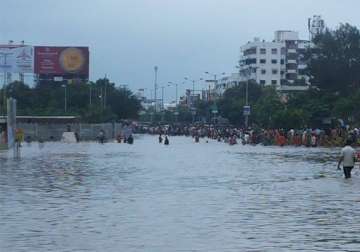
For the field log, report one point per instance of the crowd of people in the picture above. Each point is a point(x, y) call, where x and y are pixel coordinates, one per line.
point(330, 137)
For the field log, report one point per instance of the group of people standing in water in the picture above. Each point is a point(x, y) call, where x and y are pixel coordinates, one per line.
point(120, 138)
point(336, 137)
point(166, 140)
point(331, 137)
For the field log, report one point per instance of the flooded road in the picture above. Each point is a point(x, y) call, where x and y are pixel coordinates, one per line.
point(182, 197)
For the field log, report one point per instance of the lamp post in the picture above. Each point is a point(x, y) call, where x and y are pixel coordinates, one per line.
point(176, 113)
point(90, 94)
point(215, 81)
point(162, 97)
point(65, 97)
point(176, 90)
point(155, 87)
point(247, 109)
point(193, 89)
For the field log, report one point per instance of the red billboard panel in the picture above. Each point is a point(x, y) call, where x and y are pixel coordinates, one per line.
point(62, 61)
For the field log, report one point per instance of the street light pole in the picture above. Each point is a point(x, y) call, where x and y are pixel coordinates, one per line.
point(215, 82)
point(247, 110)
point(162, 98)
point(155, 87)
point(65, 98)
point(247, 103)
point(193, 90)
point(90, 94)
point(176, 91)
point(176, 94)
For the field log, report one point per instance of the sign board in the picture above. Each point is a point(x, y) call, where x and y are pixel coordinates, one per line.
point(246, 110)
point(17, 59)
point(61, 61)
point(58, 78)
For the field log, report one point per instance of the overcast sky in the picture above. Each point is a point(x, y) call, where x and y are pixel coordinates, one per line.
point(127, 38)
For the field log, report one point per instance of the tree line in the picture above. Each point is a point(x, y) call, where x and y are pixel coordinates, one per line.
point(100, 101)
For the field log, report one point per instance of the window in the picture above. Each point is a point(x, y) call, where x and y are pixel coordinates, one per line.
point(275, 71)
point(263, 71)
point(274, 61)
point(274, 51)
point(291, 66)
point(262, 82)
point(302, 71)
point(262, 51)
point(273, 82)
point(282, 72)
point(250, 61)
point(262, 61)
point(282, 62)
point(250, 51)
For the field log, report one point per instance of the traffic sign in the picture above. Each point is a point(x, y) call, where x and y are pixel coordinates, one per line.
point(246, 110)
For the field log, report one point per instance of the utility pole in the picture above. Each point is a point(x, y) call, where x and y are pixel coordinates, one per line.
point(105, 84)
point(247, 108)
point(162, 98)
point(155, 87)
point(247, 103)
point(176, 91)
point(104, 96)
point(65, 98)
point(176, 94)
point(90, 87)
point(193, 94)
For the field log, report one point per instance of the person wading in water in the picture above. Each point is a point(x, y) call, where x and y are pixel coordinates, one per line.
point(166, 141)
point(348, 158)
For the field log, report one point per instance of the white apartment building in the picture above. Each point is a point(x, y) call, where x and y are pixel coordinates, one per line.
point(278, 63)
point(227, 82)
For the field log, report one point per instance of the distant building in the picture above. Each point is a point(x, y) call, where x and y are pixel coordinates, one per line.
point(227, 82)
point(189, 99)
point(279, 63)
point(316, 26)
point(140, 94)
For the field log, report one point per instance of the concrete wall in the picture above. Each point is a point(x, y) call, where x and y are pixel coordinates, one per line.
point(86, 132)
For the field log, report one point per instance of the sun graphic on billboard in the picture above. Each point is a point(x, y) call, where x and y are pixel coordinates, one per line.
point(72, 60)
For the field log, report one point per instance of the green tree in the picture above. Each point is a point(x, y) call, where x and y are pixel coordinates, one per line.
point(232, 102)
point(334, 61)
point(108, 102)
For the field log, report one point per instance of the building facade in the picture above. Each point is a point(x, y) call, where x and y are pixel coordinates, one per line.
point(227, 82)
point(279, 63)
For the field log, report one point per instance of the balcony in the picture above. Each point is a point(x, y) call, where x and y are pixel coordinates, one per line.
point(291, 51)
point(291, 71)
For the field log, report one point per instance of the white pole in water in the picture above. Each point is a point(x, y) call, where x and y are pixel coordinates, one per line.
point(11, 127)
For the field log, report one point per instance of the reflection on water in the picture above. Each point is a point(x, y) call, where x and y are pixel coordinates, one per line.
point(182, 197)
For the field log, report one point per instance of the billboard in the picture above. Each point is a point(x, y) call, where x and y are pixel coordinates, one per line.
point(17, 59)
point(71, 62)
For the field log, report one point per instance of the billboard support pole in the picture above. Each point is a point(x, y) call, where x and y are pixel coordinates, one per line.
point(4, 93)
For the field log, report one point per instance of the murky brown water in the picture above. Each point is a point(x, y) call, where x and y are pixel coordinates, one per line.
point(182, 197)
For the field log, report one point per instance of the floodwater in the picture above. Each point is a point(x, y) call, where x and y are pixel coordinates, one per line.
point(182, 197)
